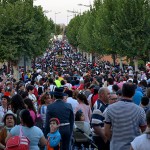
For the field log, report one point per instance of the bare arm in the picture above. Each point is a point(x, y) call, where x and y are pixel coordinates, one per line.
point(131, 148)
point(8, 136)
point(2, 146)
point(107, 129)
point(100, 131)
point(43, 141)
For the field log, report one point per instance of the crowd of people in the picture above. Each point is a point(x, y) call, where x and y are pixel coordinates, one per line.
point(64, 87)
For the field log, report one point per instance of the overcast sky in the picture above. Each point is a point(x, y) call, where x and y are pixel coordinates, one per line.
point(56, 6)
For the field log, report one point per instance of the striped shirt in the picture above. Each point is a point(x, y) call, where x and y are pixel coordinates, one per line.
point(97, 115)
point(125, 118)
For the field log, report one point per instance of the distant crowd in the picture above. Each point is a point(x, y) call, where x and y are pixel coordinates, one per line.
point(63, 89)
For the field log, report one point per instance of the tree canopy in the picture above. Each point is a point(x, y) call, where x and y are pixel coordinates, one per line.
point(24, 30)
point(117, 27)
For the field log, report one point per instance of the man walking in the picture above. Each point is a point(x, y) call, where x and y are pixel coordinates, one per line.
point(98, 119)
point(124, 120)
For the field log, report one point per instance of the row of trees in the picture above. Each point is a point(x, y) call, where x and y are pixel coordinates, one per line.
point(116, 27)
point(24, 30)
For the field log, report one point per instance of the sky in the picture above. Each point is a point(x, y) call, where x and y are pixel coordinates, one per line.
point(57, 10)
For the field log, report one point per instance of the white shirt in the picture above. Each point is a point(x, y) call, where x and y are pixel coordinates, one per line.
point(52, 88)
point(110, 88)
point(74, 103)
point(1, 113)
point(141, 143)
point(68, 85)
point(33, 98)
point(39, 77)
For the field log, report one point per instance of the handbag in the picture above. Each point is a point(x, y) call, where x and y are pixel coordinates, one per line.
point(18, 142)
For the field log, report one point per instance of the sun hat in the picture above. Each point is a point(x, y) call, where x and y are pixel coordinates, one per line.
point(9, 112)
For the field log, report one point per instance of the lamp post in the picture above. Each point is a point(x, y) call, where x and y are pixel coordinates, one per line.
point(74, 12)
point(84, 5)
point(47, 11)
point(55, 20)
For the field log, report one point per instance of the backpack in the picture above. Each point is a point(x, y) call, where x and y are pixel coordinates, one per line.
point(18, 142)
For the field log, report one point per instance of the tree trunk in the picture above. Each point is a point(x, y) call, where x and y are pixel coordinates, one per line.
point(136, 64)
point(16, 72)
point(121, 66)
point(114, 59)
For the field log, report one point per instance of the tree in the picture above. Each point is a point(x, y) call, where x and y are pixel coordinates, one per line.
point(132, 26)
point(72, 30)
point(24, 30)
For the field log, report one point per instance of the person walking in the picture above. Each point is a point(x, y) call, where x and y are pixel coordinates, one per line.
point(98, 118)
point(33, 133)
point(124, 120)
point(142, 142)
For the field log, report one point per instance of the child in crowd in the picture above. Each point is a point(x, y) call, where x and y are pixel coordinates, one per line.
point(79, 116)
point(54, 136)
point(145, 103)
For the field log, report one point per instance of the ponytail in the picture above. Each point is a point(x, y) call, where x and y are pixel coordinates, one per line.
point(26, 118)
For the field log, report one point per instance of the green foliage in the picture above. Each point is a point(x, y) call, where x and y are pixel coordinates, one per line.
point(119, 27)
point(72, 30)
point(24, 30)
point(132, 26)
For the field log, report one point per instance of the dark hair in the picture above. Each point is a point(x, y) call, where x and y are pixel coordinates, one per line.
point(69, 93)
point(82, 98)
point(15, 120)
point(8, 99)
point(110, 81)
point(30, 88)
point(144, 83)
point(17, 103)
point(30, 105)
point(78, 115)
point(128, 90)
point(26, 118)
point(135, 81)
point(40, 90)
point(77, 82)
point(32, 82)
point(24, 94)
point(51, 81)
point(62, 82)
point(145, 101)
point(115, 87)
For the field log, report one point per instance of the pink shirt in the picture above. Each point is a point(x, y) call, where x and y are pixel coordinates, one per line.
point(86, 109)
point(33, 115)
point(120, 85)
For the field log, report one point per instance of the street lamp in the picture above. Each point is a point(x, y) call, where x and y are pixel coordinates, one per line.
point(74, 12)
point(55, 20)
point(47, 11)
point(70, 11)
point(84, 5)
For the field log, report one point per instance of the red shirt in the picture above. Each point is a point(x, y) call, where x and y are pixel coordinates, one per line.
point(94, 99)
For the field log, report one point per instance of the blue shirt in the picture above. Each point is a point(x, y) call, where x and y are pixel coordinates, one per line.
point(33, 134)
point(137, 97)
